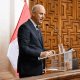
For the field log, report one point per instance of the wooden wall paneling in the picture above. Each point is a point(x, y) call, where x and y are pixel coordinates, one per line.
point(61, 25)
point(70, 24)
point(32, 2)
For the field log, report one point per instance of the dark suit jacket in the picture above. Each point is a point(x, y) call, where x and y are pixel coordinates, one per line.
point(30, 47)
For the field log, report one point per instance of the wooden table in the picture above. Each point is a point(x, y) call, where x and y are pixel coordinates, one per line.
point(66, 75)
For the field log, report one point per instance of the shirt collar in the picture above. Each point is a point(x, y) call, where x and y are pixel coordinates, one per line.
point(33, 23)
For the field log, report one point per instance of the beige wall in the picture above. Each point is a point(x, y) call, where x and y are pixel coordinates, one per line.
point(10, 11)
point(4, 25)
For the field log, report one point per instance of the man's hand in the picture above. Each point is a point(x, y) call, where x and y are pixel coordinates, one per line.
point(47, 53)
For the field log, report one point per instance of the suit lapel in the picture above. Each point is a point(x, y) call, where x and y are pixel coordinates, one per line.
point(39, 36)
point(31, 27)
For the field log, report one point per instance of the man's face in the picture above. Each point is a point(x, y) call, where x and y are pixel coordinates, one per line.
point(39, 16)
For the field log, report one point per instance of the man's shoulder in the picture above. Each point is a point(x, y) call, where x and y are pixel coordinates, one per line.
point(25, 24)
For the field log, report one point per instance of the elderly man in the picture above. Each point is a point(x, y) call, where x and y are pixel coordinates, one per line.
point(31, 44)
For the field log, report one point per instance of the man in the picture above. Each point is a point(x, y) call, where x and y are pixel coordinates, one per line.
point(31, 45)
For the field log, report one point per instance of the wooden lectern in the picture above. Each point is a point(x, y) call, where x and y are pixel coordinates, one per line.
point(61, 69)
point(67, 75)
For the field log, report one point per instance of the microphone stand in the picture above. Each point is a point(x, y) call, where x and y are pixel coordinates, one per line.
point(55, 30)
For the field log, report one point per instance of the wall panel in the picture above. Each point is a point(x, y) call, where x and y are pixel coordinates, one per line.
point(61, 25)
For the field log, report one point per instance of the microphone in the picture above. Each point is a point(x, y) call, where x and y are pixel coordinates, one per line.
point(56, 30)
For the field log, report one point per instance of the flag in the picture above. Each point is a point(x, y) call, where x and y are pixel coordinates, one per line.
point(13, 49)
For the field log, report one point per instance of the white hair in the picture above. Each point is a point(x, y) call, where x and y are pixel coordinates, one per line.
point(36, 7)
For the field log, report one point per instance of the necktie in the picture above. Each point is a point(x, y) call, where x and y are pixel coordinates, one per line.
point(37, 28)
point(38, 33)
